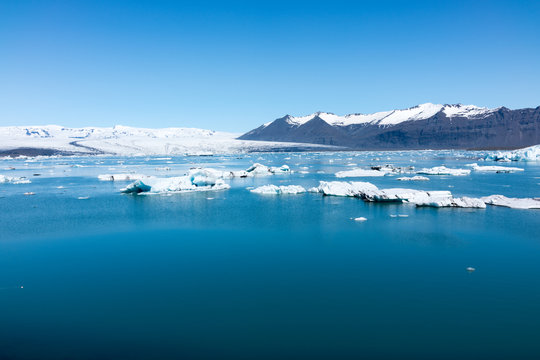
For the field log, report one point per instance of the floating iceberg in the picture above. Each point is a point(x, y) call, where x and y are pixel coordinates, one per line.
point(413, 178)
point(393, 169)
point(122, 177)
point(14, 180)
point(443, 170)
point(369, 192)
point(497, 169)
point(342, 188)
point(359, 173)
point(277, 190)
point(531, 153)
point(515, 203)
point(261, 170)
point(195, 180)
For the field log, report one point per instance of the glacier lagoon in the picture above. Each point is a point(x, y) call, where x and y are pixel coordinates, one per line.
point(230, 273)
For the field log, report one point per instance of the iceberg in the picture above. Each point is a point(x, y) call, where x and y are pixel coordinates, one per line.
point(342, 188)
point(262, 170)
point(13, 180)
point(531, 153)
point(359, 173)
point(369, 192)
point(413, 178)
point(195, 180)
point(496, 169)
point(278, 190)
point(514, 203)
point(393, 169)
point(443, 170)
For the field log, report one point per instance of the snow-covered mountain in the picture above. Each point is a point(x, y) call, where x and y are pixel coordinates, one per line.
point(424, 126)
point(394, 117)
point(124, 140)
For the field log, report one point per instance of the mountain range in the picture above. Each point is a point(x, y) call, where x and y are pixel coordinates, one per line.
point(426, 126)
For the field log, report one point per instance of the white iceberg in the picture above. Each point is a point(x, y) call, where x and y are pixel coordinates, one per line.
point(515, 203)
point(413, 178)
point(360, 173)
point(195, 180)
point(496, 169)
point(369, 192)
point(14, 180)
point(342, 188)
point(278, 190)
point(443, 170)
point(531, 153)
point(261, 170)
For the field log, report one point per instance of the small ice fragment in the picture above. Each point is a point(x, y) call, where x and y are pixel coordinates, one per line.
point(470, 269)
point(360, 219)
point(29, 193)
point(83, 197)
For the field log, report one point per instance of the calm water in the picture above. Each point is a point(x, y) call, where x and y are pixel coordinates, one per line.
point(232, 274)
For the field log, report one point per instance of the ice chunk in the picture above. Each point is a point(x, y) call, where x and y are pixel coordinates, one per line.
point(276, 190)
point(14, 180)
point(195, 180)
point(371, 193)
point(515, 203)
point(342, 188)
point(413, 178)
point(263, 170)
point(361, 218)
point(136, 187)
point(258, 169)
point(497, 169)
point(393, 169)
point(359, 173)
point(443, 170)
point(443, 199)
point(531, 153)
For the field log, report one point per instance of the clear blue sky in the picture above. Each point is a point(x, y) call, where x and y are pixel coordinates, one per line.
point(234, 65)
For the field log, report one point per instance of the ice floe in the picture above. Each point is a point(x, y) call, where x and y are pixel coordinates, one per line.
point(388, 168)
point(443, 170)
point(359, 173)
point(277, 190)
point(492, 168)
point(515, 203)
point(260, 170)
point(413, 178)
point(342, 188)
point(369, 192)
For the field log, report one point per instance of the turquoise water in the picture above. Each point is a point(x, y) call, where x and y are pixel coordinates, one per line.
point(232, 274)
